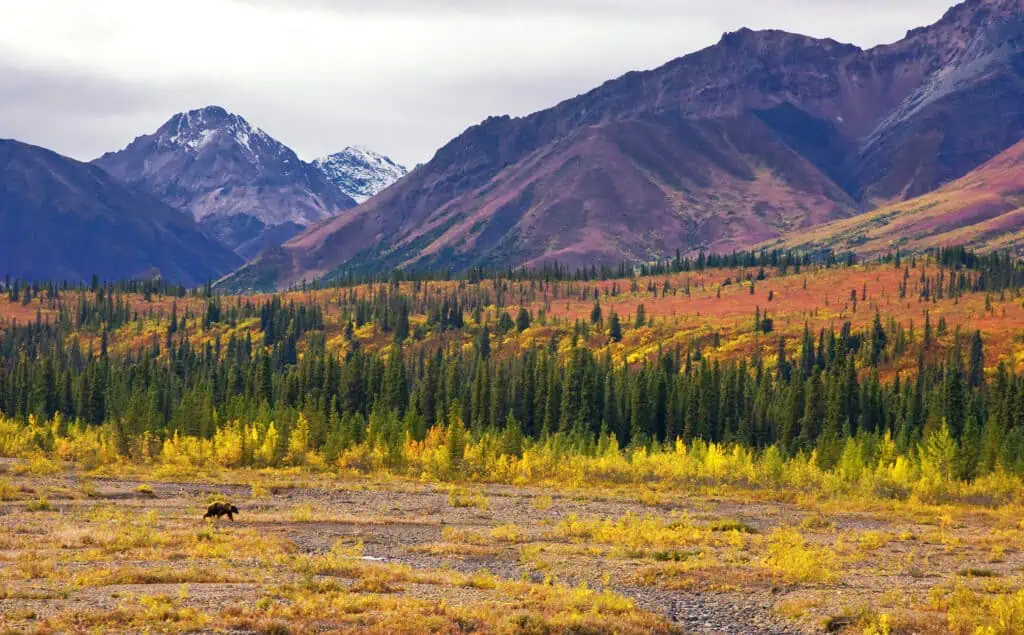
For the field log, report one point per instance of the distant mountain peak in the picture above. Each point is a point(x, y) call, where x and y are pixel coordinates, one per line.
point(360, 172)
point(984, 7)
point(773, 39)
point(974, 15)
point(208, 117)
point(246, 188)
point(196, 129)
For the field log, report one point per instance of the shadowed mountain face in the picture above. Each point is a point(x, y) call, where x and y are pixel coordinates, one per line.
point(983, 211)
point(65, 220)
point(762, 134)
point(244, 187)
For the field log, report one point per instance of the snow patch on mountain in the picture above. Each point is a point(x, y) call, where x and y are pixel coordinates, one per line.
point(195, 130)
point(360, 172)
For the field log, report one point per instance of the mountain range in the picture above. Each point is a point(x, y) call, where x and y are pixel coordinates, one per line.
point(66, 220)
point(175, 203)
point(764, 134)
point(765, 138)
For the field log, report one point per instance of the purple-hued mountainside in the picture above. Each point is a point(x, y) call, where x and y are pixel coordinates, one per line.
point(760, 135)
point(66, 220)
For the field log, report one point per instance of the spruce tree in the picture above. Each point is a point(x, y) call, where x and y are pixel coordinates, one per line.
point(976, 362)
point(614, 328)
point(523, 320)
point(483, 343)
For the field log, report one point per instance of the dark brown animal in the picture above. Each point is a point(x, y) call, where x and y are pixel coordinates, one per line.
point(218, 510)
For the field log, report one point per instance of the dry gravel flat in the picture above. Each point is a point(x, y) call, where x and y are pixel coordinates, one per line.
point(416, 525)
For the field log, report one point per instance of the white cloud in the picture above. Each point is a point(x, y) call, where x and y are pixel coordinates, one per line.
point(400, 76)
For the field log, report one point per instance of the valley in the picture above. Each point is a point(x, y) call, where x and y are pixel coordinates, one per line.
point(754, 443)
point(734, 344)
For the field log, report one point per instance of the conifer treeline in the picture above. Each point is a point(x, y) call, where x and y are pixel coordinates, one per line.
point(810, 397)
point(557, 272)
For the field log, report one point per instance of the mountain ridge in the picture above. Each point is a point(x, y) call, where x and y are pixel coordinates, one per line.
point(983, 211)
point(68, 220)
point(882, 124)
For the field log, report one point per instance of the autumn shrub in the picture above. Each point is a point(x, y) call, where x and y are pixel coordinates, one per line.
point(632, 532)
point(88, 489)
point(40, 504)
point(969, 611)
point(8, 491)
point(33, 566)
point(15, 438)
point(93, 446)
point(37, 465)
point(792, 559)
point(508, 533)
point(542, 503)
point(461, 497)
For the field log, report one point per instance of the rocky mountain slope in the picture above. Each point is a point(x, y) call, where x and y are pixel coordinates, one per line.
point(244, 187)
point(759, 135)
point(983, 210)
point(359, 172)
point(66, 220)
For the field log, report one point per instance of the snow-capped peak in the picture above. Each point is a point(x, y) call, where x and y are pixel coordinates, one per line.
point(195, 129)
point(247, 188)
point(360, 172)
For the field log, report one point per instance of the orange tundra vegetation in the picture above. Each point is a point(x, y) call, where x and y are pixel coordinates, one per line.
point(714, 309)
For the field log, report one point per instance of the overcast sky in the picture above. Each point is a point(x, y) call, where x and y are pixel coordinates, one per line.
point(399, 76)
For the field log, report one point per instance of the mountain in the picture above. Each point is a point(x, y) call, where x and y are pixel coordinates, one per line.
point(983, 210)
point(244, 187)
point(762, 134)
point(359, 172)
point(66, 220)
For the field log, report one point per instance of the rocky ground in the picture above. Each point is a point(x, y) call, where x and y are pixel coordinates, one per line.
point(56, 562)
